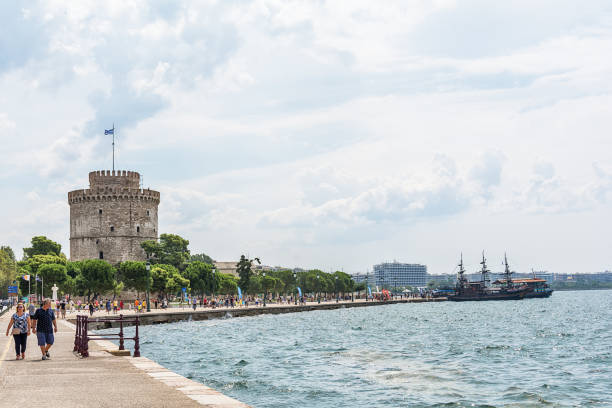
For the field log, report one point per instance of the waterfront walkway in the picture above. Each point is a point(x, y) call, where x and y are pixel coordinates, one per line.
point(102, 380)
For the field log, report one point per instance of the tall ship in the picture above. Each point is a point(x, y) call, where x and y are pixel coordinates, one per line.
point(483, 290)
point(538, 288)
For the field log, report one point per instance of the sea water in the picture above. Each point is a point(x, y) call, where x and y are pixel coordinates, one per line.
point(533, 352)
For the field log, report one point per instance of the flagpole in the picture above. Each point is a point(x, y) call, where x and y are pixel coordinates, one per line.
point(29, 291)
point(113, 146)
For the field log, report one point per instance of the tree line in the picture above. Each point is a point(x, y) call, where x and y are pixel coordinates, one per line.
point(172, 267)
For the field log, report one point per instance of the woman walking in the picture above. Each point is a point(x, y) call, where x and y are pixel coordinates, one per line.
point(20, 322)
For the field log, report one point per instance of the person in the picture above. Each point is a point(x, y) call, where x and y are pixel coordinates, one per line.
point(63, 308)
point(108, 306)
point(20, 322)
point(194, 301)
point(91, 309)
point(46, 325)
point(115, 306)
point(31, 308)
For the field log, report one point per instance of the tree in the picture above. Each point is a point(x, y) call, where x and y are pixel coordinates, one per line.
point(202, 258)
point(228, 284)
point(42, 246)
point(245, 272)
point(32, 265)
point(9, 251)
point(7, 271)
point(171, 249)
point(200, 277)
point(97, 277)
point(167, 279)
point(134, 275)
point(52, 273)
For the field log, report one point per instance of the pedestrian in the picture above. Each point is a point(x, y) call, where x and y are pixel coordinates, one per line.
point(20, 322)
point(45, 327)
point(121, 304)
point(108, 306)
point(63, 308)
point(194, 301)
point(31, 308)
point(115, 306)
point(91, 309)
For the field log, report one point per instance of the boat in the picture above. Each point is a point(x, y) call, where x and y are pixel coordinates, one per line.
point(538, 288)
point(483, 290)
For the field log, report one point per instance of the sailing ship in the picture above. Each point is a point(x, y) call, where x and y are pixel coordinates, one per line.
point(538, 288)
point(483, 290)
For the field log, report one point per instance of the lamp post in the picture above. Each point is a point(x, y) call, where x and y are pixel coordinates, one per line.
point(318, 289)
point(296, 291)
point(264, 285)
point(148, 268)
point(367, 284)
point(213, 285)
point(336, 288)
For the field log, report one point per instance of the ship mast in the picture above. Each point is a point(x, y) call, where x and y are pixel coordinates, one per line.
point(461, 280)
point(507, 271)
point(486, 279)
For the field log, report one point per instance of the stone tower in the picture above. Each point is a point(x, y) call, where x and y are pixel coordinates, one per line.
point(110, 219)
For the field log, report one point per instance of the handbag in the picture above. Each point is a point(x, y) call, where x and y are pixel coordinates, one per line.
point(16, 330)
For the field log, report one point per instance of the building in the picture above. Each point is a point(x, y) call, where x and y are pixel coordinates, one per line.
point(395, 274)
point(227, 267)
point(364, 277)
point(112, 217)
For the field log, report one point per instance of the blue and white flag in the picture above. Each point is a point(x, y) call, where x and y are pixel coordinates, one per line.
point(109, 131)
point(38, 278)
point(299, 291)
point(369, 291)
point(239, 293)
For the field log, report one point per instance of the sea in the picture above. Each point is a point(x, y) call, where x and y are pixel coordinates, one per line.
point(554, 352)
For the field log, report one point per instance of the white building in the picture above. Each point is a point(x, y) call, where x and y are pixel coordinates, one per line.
point(395, 274)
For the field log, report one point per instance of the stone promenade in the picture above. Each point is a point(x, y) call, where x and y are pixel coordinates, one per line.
point(102, 380)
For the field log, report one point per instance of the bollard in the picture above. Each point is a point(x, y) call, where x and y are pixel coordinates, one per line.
point(121, 347)
point(85, 352)
point(76, 334)
point(137, 340)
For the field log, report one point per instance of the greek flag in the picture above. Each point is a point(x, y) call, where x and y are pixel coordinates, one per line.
point(299, 291)
point(239, 292)
point(109, 131)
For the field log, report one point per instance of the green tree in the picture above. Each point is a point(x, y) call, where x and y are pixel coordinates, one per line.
point(202, 258)
point(167, 280)
point(228, 284)
point(172, 250)
point(97, 277)
point(52, 273)
point(9, 251)
point(8, 271)
point(200, 277)
point(245, 272)
point(42, 246)
point(134, 275)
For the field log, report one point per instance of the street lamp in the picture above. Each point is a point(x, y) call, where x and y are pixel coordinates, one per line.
point(148, 268)
point(296, 291)
point(367, 284)
point(336, 288)
point(318, 289)
point(264, 285)
point(213, 285)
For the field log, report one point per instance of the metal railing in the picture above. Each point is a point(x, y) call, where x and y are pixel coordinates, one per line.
point(82, 336)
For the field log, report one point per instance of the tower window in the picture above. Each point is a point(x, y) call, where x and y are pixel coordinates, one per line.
point(101, 255)
point(137, 229)
point(112, 228)
point(148, 213)
point(100, 211)
point(97, 241)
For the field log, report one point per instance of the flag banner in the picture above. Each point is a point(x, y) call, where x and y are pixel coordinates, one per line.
point(26, 277)
point(239, 293)
point(299, 291)
point(38, 278)
point(369, 291)
point(109, 131)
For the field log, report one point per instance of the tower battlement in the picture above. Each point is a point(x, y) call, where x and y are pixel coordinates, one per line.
point(112, 193)
point(110, 219)
point(124, 178)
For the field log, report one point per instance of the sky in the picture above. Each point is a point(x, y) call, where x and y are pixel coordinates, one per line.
point(321, 134)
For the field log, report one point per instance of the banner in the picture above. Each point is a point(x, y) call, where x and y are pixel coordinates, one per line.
point(299, 291)
point(369, 291)
point(239, 293)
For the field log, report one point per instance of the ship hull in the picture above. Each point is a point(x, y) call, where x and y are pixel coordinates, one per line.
point(480, 298)
point(539, 294)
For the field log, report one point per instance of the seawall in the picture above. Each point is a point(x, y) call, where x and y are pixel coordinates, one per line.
point(170, 316)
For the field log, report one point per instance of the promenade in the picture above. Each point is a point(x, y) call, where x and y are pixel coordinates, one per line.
point(102, 380)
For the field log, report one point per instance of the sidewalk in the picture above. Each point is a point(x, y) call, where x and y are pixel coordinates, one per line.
point(102, 380)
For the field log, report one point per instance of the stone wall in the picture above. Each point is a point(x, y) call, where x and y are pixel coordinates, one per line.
point(112, 218)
